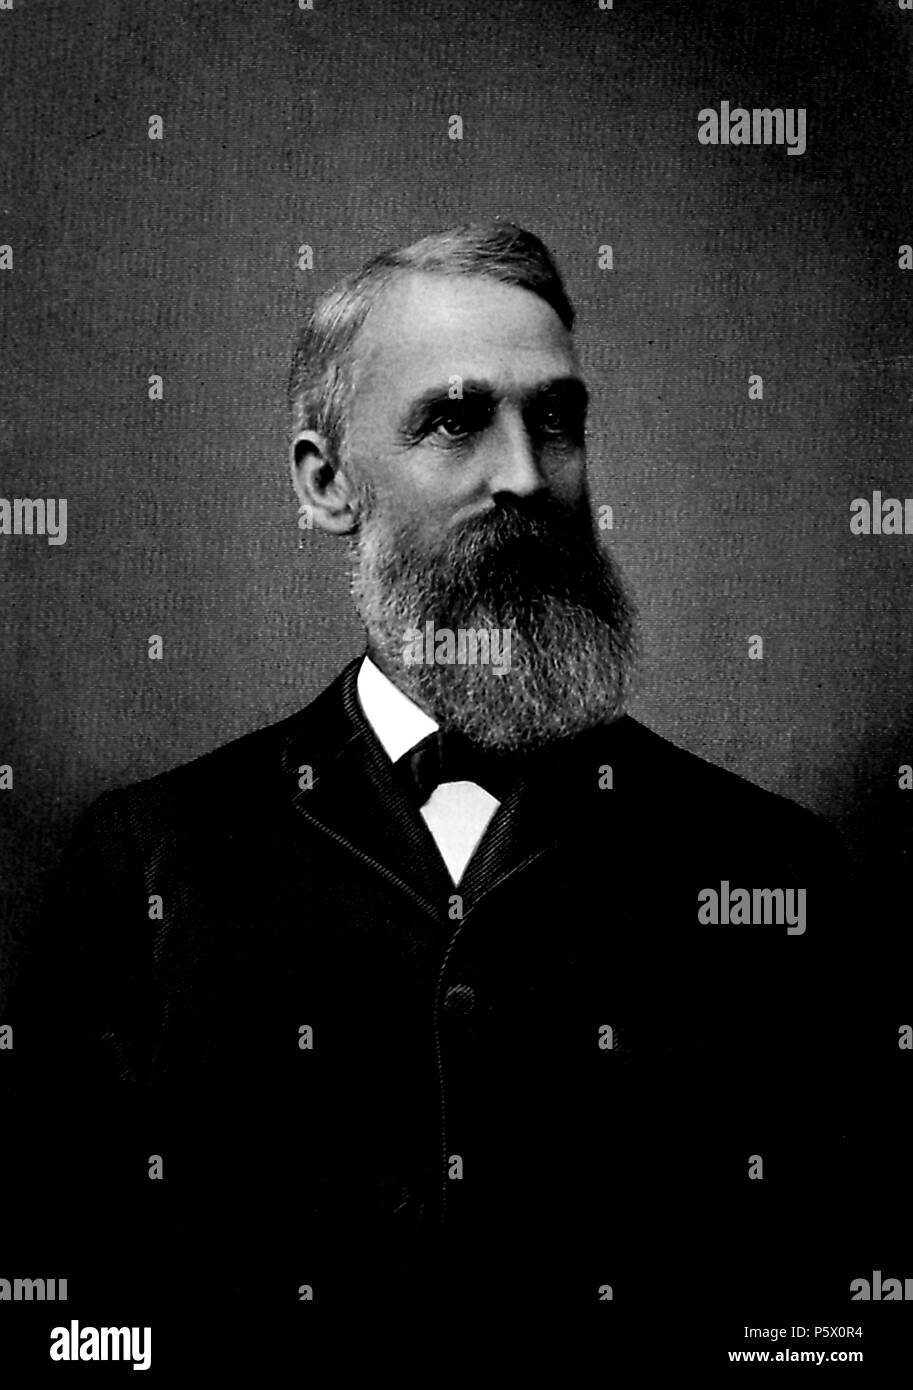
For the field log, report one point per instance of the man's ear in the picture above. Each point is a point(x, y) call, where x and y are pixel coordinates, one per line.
point(323, 489)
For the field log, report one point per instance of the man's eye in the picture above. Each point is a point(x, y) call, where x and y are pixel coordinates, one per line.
point(559, 422)
point(450, 426)
point(459, 423)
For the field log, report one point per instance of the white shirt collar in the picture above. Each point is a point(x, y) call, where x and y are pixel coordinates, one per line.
point(396, 720)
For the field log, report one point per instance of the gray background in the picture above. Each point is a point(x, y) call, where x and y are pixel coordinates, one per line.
point(330, 127)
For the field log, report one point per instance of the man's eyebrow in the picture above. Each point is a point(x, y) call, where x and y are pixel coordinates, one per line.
point(418, 411)
point(571, 388)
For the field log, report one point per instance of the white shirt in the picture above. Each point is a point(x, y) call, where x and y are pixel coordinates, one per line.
point(456, 813)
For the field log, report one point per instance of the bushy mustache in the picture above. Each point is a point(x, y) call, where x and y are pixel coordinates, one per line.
point(537, 546)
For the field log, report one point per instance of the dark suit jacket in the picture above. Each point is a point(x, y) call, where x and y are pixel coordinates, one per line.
point(448, 1024)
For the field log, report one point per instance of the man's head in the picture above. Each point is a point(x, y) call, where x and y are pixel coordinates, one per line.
point(438, 420)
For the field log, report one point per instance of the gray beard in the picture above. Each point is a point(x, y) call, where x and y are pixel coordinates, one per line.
point(533, 568)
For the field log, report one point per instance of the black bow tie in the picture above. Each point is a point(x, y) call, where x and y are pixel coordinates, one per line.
point(451, 757)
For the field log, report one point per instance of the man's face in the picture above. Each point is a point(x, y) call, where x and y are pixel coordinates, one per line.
point(465, 389)
point(464, 441)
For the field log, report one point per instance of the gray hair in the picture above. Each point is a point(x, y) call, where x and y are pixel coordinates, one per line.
point(321, 376)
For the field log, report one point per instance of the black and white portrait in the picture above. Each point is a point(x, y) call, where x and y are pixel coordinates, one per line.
point(456, 767)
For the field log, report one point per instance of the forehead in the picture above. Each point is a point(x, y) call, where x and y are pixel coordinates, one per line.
point(428, 327)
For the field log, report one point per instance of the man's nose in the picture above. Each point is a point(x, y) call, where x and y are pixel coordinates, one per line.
point(515, 464)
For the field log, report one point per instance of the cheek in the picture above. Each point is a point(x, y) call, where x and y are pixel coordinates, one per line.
point(434, 487)
point(567, 474)
point(409, 509)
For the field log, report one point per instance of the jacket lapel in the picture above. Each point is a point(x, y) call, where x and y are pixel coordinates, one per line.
point(356, 800)
point(511, 840)
point(555, 800)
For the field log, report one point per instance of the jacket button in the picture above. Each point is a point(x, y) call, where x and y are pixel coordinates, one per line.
point(460, 999)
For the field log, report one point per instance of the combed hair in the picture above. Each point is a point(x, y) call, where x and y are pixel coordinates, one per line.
point(320, 380)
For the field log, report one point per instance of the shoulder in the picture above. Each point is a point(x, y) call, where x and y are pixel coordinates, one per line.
point(236, 780)
point(686, 785)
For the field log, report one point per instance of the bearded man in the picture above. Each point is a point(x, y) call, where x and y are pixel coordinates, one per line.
point(451, 956)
